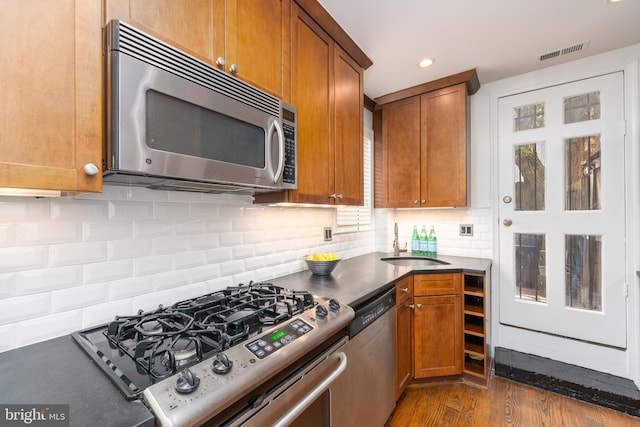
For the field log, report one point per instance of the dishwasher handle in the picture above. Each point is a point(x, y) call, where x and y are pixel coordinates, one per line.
point(317, 391)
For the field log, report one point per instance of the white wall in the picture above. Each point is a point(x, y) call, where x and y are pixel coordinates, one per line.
point(69, 263)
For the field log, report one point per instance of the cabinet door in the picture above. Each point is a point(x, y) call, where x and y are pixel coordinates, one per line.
point(51, 102)
point(401, 145)
point(437, 336)
point(188, 24)
point(257, 42)
point(444, 147)
point(404, 335)
point(349, 104)
point(312, 93)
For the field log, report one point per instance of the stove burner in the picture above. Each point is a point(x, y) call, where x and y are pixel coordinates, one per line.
point(184, 349)
point(151, 328)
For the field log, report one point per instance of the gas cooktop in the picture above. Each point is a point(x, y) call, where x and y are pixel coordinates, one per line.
point(142, 349)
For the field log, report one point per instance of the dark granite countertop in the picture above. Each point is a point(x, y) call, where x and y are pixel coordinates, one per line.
point(57, 371)
point(356, 280)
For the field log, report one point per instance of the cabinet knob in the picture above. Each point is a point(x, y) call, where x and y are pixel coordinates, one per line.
point(411, 306)
point(418, 306)
point(91, 169)
point(415, 202)
point(507, 222)
point(233, 69)
point(220, 62)
point(339, 196)
point(405, 290)
point(423, 201)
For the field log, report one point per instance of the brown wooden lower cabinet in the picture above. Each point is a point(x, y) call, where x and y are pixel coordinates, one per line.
point(404, 334)
point(441, 327)
point(437, 333)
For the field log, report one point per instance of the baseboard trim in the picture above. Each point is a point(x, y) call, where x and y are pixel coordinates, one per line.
point(580, 383)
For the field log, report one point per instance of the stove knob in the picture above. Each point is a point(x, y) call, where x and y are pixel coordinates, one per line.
point(187, 382)
point(222, 364)
point(321, 311)
point(334, 304)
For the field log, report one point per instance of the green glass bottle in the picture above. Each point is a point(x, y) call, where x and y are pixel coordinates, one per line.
point(423, 241)
point(415, 241)
point(432, 242)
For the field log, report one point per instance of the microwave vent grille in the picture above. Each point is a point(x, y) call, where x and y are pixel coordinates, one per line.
point(133, 42)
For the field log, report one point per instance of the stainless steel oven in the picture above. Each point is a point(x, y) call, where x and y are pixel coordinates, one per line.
point(175, 122)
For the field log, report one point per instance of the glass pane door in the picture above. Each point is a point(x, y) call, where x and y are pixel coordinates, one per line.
point(561, 174)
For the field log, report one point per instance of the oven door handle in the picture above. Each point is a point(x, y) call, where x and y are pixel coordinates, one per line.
point(317, 391)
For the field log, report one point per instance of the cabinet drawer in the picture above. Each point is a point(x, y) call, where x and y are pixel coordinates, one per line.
point(404, 290)
point(436, 284)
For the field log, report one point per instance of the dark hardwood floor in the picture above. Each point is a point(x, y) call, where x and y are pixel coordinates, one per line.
point(503, 403)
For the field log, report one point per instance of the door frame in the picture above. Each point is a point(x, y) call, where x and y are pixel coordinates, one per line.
point(624, 363)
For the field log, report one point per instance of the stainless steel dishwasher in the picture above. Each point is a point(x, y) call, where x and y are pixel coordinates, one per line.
point(364, 395)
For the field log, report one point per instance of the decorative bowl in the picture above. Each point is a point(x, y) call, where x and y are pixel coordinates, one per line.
point(322, 268)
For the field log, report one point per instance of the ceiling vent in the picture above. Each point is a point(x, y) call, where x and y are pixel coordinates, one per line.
point(564, 51)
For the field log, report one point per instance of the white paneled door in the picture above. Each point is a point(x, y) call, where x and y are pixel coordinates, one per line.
point(562, 210)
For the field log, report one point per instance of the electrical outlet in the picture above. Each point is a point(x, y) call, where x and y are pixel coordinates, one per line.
point(466, 229)
point(328, 234)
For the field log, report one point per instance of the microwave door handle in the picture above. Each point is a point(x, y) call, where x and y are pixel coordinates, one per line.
point(278, 173)
point(311, 397)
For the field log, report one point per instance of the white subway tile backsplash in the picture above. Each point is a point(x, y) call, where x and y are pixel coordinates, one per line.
point(31, 282)
point(192, 227)
point(188, 259)
point(205, 272)
point(130, 210)
point(230, 268)
point(106, 271)
point(23, 258)
point(21, 209)
point(105, 312)
point(8, 285)
point(7, 337)
point(7, 234)
point(127, 288)
point(127, 249)
point(24, 307)
point(218, 255)
point(170, 244)
point(43, 233)
point(170, 280)
point(78, 297)
point(152, 265)
point(243, 251)
point(171, 211)
point(77, 253)
point(230, 238)
point(47, 327)
point(73, 209)
point(152, 228)
point(106, 230)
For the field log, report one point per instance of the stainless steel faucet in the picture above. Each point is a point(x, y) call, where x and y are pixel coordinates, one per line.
point(396, 245)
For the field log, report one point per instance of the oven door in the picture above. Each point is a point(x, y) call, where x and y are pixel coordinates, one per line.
point(303, 399)
point(163, 125)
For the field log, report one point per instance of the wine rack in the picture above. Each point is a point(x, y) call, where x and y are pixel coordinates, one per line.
point(474, 325)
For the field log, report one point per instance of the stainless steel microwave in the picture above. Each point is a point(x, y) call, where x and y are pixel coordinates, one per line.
point(175, 122)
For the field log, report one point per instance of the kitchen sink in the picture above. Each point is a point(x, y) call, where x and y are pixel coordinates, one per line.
point(413, 261)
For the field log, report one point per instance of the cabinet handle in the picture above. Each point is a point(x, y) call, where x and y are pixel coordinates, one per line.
point(233, 69)
point(411, 306)
point(220, 62)
point(336, 196)
point(419, 306)
point(339, 196)
point(405, 290)
point(91, 169)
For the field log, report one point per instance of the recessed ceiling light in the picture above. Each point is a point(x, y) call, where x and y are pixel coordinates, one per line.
point(426, 63)
point(613, 1)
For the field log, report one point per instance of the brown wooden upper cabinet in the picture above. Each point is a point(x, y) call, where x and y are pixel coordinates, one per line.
point(422, 145)
point(51, 102)
point(246, 38)
point(327, 89)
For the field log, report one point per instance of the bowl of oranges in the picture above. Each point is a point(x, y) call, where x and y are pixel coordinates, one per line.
point(322, 263)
